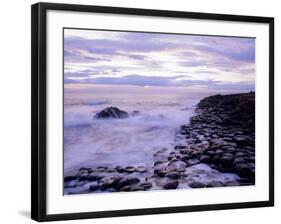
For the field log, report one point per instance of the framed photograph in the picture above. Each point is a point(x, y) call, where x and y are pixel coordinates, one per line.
point(140, 111)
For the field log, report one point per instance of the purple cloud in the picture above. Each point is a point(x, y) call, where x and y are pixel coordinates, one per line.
point(110, 59)
point(139, 80)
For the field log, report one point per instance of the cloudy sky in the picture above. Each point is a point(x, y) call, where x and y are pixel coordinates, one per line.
point(149, 59)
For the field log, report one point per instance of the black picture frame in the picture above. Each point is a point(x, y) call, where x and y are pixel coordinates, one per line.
point(39, 114)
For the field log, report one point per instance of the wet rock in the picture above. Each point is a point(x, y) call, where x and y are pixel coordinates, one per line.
point(214, 184)
point(173, 175)
point(127, 181)
point(228, 139)
point(145, 185)
point(111, 190)
point(211, 153)
point(137, 188)
point(204, 158)
point(94, 187)
point(177, 165)
point(217, 143)
point(83, 177)
point(94, 176)
point(141, 169)
point(241, 140)
point(111, 112)
point(125, 188)
point(244, 170)
point(196, 184)
point(130, 169)
point(180, 147)
point(109, 182)
point(70, 184)
point(160, 162)
point(83, 169)
point(171, 185)
point(231, 183)
point(238, 160)
point(110, 170)
point(219, 152)
point(192, 162)
point(69, 178)
point(120, 169)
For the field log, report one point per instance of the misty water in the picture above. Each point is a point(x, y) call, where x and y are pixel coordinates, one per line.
point(90, 142)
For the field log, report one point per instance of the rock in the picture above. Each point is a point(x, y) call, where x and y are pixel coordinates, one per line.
point(239, 154)
point(231, 183)
point(217, 143)
point(219, 152)
point(94, 176)
point(211, 153)
point(244, 170)
point(173, 175)
point(83, 177)
point(141, 169)
point(228, 139)
point(238, 160)
point(127, 181)
point(204, 158)
point(241, 140)
point(130, 169)
point(120, 169)
point(110, 170)
point(231, 150)
point(214, 184)
point(145, 185)
point(126, 188)
point(111, 112)
point(171, 185)
point(177, 165)
point(192, 162)
point(229, 135)
point(83, 169)
point(69, 178)
point(109, 182)
point(180, 147)
point(70, 184)
point(137, 188)
point(94, 187)
point(196, 184)
point(160, 162)
point(226, 160)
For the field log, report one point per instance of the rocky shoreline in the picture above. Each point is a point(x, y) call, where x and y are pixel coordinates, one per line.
point(222, 134)
point(216, 149)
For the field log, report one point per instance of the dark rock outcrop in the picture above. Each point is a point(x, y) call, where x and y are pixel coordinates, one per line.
point(234, 109)
point(111, 112)
point(222, 134)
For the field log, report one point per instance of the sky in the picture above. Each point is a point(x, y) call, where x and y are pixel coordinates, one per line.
point(153, 59)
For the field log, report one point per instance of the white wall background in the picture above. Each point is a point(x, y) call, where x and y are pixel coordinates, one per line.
point(15, 110)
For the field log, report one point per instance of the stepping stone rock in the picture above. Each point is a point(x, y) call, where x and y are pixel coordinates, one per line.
point(127, 181)
point(192, 162)
point(171, 185)
point(141, 169)
point(94, 187)
point(109, 182)
point(196, 185)
point(214, 184)
point(173, 175)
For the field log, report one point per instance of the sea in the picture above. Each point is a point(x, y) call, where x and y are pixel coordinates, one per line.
point(91, 142)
